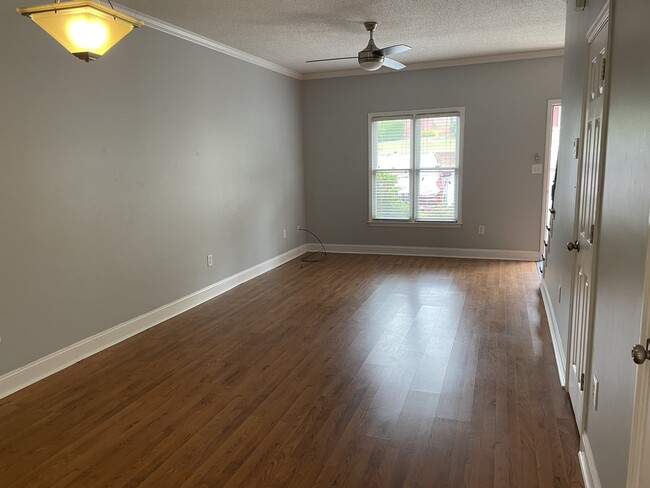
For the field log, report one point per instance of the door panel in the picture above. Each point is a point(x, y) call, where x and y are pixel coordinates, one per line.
point(587, 211)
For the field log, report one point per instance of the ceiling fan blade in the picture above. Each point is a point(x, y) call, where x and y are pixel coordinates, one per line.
point(330, 59)
point(388, 51)
point(392, 64)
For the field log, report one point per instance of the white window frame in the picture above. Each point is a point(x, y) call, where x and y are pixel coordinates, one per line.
point(411, 222)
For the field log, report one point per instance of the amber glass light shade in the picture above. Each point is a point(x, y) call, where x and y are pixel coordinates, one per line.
point(85, 28)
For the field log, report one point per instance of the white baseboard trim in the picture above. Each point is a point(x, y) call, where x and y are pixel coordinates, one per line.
point(442, 252)
point(560, 356)
point(48, 365)
point(588, 464)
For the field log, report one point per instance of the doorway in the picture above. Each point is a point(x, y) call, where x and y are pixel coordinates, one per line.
point(553, 120)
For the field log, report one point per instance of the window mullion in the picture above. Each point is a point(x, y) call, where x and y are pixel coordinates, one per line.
point(415, 148)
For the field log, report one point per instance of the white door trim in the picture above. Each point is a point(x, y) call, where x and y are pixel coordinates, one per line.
point(547, 165)
point(601, 20)
point(642, 390)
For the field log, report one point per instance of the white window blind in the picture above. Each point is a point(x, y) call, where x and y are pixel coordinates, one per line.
point(415, 167)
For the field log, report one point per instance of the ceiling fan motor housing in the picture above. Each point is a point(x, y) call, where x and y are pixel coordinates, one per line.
point(369, 58)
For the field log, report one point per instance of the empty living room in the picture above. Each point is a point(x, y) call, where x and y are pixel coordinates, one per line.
point(317, 244)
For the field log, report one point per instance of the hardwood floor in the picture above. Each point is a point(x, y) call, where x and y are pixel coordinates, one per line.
point(357, 371)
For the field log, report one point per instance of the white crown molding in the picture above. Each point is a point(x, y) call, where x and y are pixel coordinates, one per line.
point(440, 252)
point(44, 367)
point(167, 28)
point(556, 338)
point(588, 464)
point(447, 63)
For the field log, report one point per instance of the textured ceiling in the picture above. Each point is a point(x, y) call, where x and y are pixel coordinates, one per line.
point(289, 32)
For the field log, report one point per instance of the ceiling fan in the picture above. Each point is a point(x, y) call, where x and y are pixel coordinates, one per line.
point(372, 58)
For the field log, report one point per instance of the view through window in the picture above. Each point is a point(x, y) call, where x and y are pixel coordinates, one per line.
point(415, 166)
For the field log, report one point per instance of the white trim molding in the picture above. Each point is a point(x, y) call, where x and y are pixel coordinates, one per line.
point(446, 63)
point(44, 367)
point(588, 464)
point(556, 338)
point(440, 252)
point(172, 30)
point(599, 23)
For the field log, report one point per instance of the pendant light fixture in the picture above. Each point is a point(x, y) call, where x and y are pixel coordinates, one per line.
point(86, 28)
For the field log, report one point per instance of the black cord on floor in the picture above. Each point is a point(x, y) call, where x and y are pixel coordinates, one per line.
point(308, 257)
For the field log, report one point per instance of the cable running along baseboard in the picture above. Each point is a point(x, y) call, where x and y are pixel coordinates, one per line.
point(308, 257)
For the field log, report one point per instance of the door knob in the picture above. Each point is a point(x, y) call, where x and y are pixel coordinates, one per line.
point(640, 353)
point(573, 246)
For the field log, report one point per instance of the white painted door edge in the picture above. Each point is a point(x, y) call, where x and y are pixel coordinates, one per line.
point(641, 413)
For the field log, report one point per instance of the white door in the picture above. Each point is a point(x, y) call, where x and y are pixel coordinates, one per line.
point(587, 210)
point(639, 465)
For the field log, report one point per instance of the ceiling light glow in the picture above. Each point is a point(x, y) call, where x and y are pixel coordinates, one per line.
point(86, 28)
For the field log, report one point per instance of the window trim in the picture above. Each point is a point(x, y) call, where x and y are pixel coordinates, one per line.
point(412, 222)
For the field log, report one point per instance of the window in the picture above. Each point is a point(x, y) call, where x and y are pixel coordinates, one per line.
point(415, 167)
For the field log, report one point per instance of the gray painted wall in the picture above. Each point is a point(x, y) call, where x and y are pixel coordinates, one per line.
point(505, 126)
point(624, 224)
point(118, 177)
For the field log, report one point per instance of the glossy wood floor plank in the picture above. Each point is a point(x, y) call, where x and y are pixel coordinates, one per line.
point(356, 371)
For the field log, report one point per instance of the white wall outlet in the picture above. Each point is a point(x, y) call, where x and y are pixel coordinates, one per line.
point(284, 233)
point(481, 229)
point(209, 260)
point(298, 229)
point(537, 169)
point(594, 393)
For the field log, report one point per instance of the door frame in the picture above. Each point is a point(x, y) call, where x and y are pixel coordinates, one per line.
point(547, 166)
point(641, 412)
point(603, 20)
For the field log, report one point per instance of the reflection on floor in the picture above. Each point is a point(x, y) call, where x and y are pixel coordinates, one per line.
point(355, 371)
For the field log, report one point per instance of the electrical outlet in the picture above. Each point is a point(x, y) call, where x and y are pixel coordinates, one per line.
point(594, 393)
point(209, 260)
point(481, 229)
point(537, 169)
point(298, 230)
point(284, 233)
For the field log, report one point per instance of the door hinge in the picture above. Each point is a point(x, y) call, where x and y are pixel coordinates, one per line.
point(582, 382)
point(591, 233)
